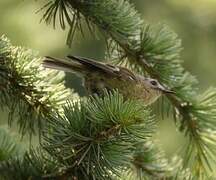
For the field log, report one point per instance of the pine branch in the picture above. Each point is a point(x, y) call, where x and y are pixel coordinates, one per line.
point(33, 165)
point(92, 139)
point(82, 144)
point(98, 135)
point(154, 50)
point(150, 163)
point(8, 147)
point(201, 131)
point(29, 92)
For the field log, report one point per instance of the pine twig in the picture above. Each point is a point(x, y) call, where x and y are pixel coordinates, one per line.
point(29, 92)
point(152, 50)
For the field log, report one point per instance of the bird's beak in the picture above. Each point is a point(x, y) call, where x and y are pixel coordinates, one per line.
point(165, 90)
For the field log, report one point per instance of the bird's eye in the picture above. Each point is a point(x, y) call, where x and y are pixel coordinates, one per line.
point(153, 82)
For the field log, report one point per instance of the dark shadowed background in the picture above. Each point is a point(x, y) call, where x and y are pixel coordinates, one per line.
point(193, 21)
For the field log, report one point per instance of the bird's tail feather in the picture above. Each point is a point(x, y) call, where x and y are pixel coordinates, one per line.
point(63, 65)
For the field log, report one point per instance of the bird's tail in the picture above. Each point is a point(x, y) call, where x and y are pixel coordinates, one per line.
point(63, 65)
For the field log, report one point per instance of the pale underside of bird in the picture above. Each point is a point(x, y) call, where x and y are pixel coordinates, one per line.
point(98, 76)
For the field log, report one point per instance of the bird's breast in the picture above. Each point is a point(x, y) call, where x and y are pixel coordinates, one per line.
point(129, 89)
point(139, 92)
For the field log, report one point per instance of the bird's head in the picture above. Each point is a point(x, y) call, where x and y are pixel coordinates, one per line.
point(154, 84)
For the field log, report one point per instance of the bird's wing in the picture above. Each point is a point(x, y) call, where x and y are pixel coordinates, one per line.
point(127, 74)
point(94, 65)
point(103, 67)
point(63, 65)
point(84, 66)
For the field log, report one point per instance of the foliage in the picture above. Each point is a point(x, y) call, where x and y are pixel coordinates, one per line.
point(106, 137)
point(26, 89)
point(8, 148)
point(93, 139)
point(154, 51)
point(31, 166)
point(98, 134)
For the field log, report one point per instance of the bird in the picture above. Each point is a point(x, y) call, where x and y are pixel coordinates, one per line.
point(98, 76)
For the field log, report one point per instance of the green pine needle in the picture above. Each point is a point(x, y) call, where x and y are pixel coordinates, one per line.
point(29, 91)
point(98, 134)
point(201, 129)
point(149, 163)
point(153, 51)
point(8, 147)
point(34, 165)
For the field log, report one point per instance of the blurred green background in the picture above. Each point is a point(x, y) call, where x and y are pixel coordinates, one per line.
point(193, 21)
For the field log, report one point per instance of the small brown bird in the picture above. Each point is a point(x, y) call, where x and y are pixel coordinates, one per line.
point(98, 76)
